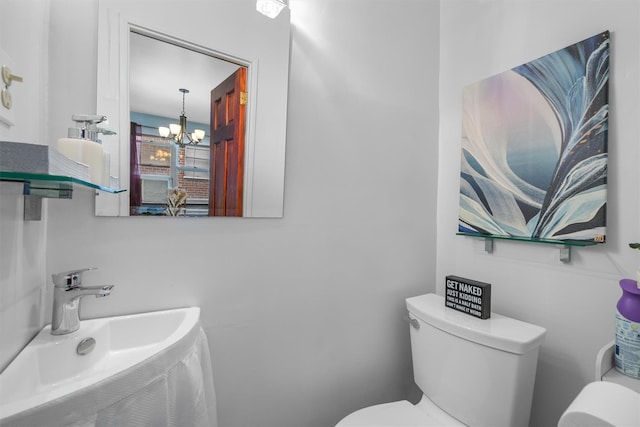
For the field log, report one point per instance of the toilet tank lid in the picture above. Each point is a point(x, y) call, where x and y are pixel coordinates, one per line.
point(500, 332)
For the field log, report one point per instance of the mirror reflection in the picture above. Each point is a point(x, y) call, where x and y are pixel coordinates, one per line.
point(226, 89)
point(187, 131)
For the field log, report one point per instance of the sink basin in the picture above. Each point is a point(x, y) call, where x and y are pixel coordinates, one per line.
point(50, 367)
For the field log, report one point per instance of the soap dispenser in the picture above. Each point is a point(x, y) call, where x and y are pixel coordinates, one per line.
point(83, 145)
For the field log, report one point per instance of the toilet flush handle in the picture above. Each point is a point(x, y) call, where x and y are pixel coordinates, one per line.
point(413, 322)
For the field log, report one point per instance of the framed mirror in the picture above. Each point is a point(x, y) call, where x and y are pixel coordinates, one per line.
point(154, 68)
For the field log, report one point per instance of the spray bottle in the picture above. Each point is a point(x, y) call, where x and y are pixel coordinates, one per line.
point(627, 350)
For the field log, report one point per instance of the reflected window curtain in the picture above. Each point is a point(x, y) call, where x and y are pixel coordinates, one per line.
point(135, 183)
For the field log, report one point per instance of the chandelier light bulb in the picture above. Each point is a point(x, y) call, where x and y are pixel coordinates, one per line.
point(199, 134)
point(175, 129)
point(164, 131)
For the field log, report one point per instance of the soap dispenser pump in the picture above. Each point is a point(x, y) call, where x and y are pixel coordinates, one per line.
point(82, 145)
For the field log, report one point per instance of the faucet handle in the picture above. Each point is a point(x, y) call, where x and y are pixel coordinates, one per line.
point(70, 278)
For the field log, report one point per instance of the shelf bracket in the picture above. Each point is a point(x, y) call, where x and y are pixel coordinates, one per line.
point(488, 246)
point(565, 253)
point(32, 208)
point(35, 191)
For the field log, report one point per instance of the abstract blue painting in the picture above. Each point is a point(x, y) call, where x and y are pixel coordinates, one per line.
point(534, 148)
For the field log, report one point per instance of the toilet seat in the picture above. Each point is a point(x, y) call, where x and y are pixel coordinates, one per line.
point(400, 414)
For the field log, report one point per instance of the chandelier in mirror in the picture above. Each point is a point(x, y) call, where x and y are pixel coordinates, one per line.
point(179, 132)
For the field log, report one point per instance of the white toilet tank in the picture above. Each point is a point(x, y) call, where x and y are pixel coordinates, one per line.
point(481, 372)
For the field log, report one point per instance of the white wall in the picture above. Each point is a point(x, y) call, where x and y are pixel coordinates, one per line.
point(22, 244)
point(303, 314)
point(575, 302)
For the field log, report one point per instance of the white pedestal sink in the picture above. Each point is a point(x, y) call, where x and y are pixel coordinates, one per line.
point(145, 369)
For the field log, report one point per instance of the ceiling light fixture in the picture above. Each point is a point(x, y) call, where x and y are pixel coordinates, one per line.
point(270, 8)
point(178, 132)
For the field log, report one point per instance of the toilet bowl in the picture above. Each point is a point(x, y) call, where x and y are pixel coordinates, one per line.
point(471, 371)
point(401, 414)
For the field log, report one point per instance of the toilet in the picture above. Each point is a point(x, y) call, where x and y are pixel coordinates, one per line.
point(472, 372)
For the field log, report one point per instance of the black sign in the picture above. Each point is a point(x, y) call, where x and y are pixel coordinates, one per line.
point(468, 296)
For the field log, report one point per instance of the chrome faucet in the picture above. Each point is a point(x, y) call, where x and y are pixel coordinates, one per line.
point(67, 293)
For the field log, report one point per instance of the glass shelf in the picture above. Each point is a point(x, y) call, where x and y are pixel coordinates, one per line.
point(52, 186)
point(565, 245)
point(531, 240)
point(39, 186)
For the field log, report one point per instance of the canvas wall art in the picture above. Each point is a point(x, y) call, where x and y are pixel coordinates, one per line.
point(534, 148)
